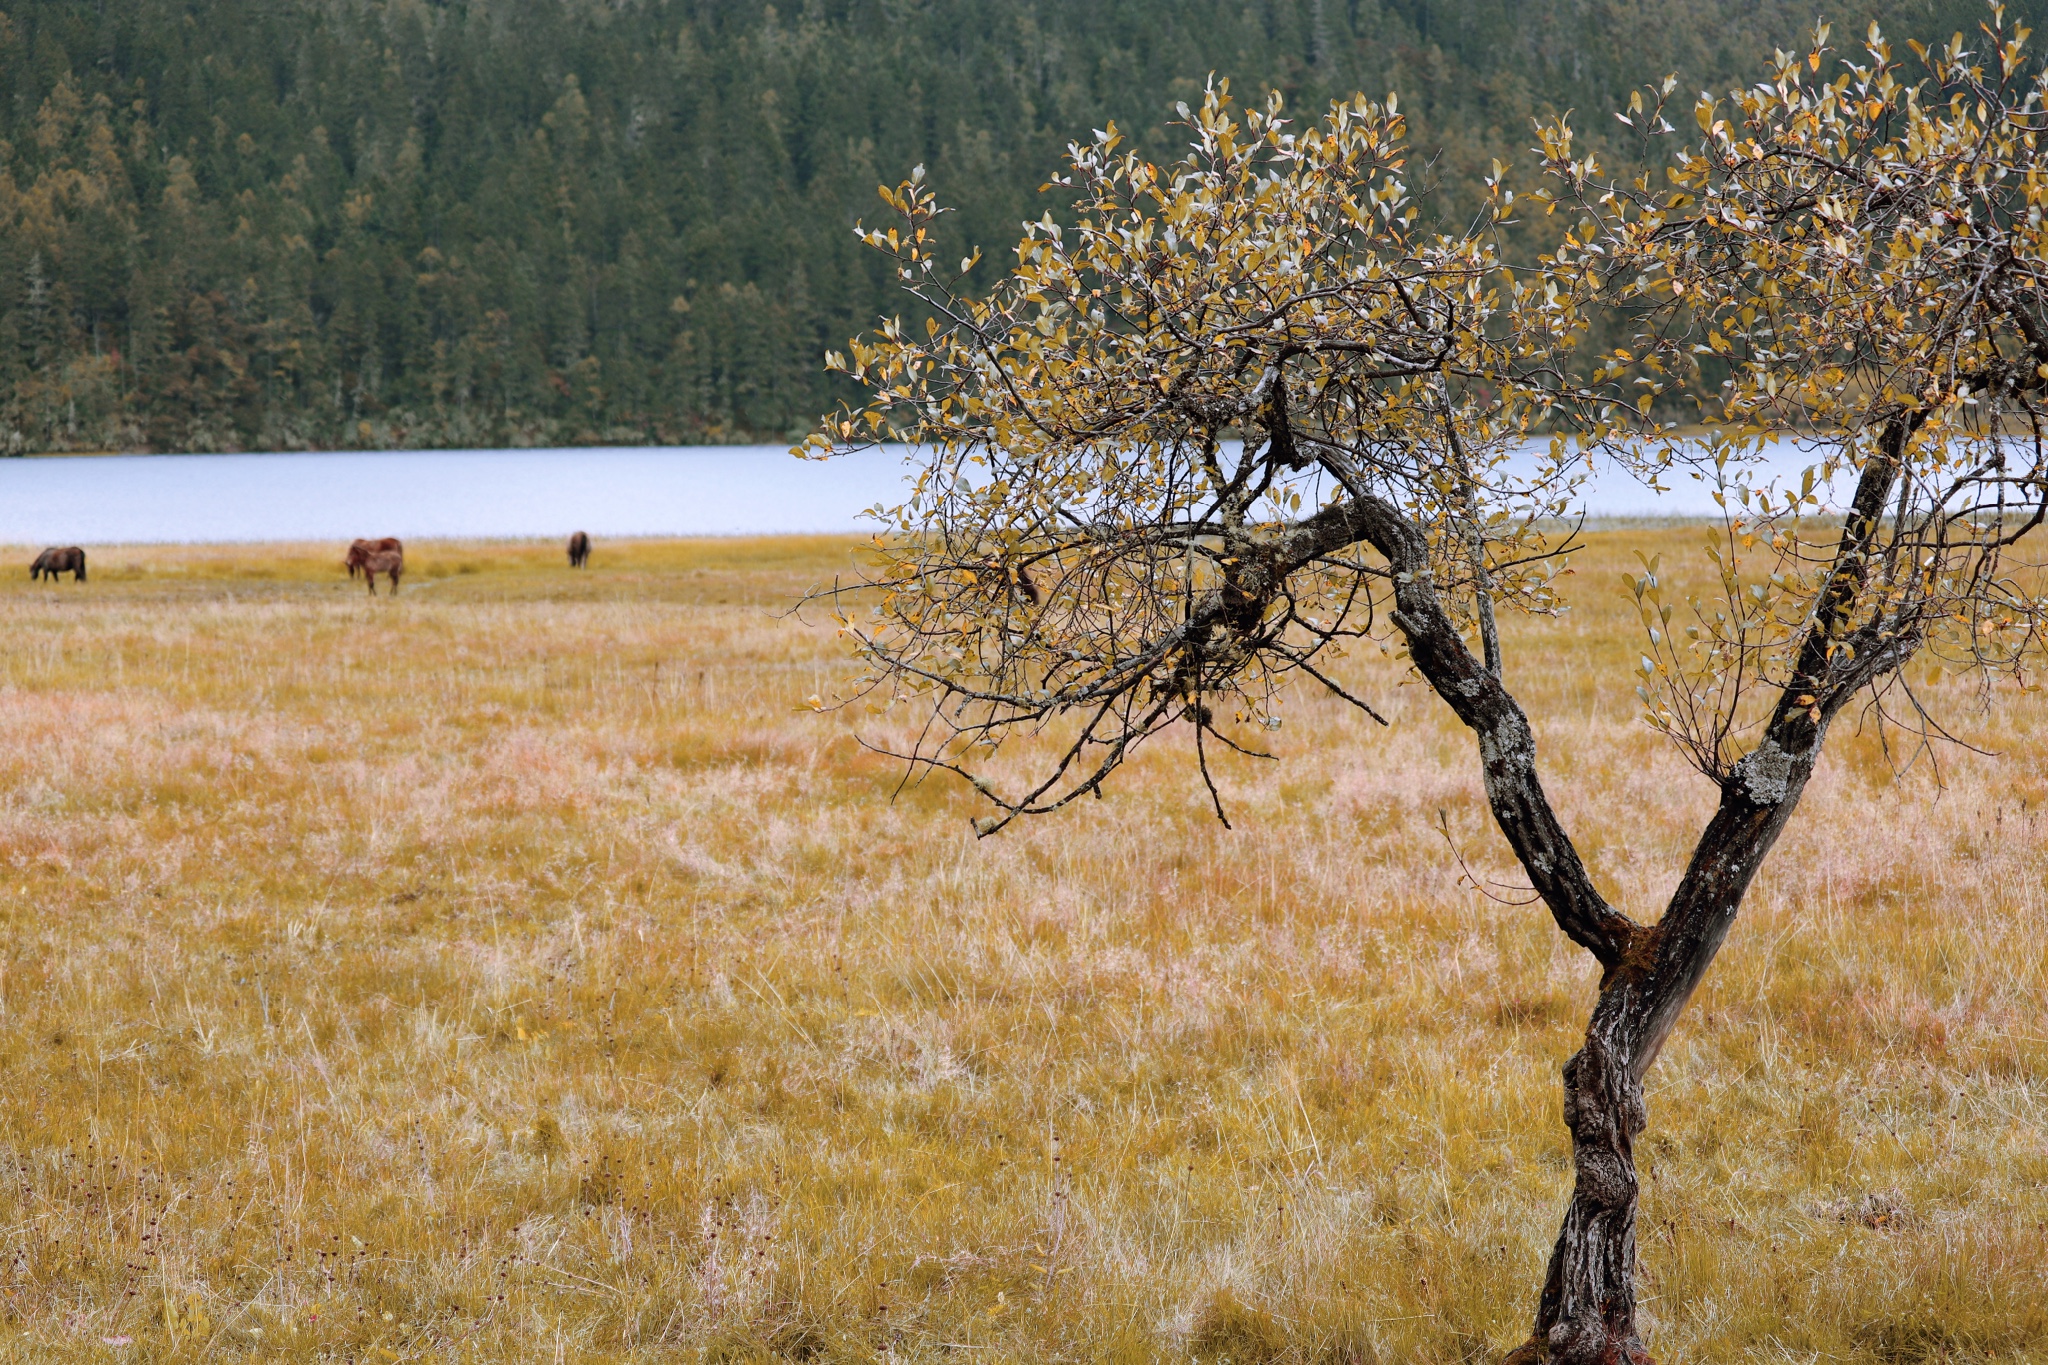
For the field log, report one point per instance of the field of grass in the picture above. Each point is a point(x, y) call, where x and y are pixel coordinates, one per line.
point(516, 971)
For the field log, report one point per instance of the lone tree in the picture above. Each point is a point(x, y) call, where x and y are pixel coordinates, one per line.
point(1245, 408)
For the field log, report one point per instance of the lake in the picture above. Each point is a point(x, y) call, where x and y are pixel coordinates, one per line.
point(621, 491)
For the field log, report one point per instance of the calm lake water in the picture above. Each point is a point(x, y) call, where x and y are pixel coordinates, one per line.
point(638, 491)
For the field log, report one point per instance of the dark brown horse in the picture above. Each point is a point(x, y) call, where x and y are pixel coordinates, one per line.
point(55, 560)
point(359, 552)
point(579, 550)
point(390, 562)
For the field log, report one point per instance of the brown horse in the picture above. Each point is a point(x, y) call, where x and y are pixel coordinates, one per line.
point(391, 562)
point(55, 560)
point(579, 550)
point(359, 552)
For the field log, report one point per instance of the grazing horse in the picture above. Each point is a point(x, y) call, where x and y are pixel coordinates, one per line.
point(391, 562)
point(579, 550)
point(359, 552)
point(55, 560)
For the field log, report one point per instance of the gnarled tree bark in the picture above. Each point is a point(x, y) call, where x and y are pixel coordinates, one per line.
point(1586, 1314)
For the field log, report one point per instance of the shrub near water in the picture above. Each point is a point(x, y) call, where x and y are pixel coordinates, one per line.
point(514, 971)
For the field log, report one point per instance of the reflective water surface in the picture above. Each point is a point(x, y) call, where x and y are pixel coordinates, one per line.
point(695, 490)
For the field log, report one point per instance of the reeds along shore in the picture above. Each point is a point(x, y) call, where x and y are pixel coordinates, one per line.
point(518, 971)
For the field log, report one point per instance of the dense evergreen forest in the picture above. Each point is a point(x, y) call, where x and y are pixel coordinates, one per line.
point(281, 224)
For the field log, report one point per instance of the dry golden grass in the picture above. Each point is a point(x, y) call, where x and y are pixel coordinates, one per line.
point(515, 972)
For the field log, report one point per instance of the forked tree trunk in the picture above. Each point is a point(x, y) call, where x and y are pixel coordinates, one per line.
point(1586, 1315)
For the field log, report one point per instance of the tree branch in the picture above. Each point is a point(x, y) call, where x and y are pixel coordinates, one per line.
point(1507, 746)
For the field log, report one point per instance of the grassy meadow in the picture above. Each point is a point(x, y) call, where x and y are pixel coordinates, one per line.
point(517, 971)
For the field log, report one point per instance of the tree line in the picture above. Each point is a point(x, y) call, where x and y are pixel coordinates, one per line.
point(290, 224)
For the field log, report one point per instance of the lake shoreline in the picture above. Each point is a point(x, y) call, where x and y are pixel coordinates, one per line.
point(540, 493)
point(728, 539)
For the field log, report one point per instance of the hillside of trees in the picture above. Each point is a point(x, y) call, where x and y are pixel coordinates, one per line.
point(287, 224)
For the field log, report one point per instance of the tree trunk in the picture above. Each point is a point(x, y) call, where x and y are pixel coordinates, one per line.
point(1587, 1315)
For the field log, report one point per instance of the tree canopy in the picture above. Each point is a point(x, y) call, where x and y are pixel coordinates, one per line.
point(264, 224)
point(1249, 408)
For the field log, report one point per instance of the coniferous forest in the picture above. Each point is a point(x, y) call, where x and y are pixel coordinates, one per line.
point(286, 224)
